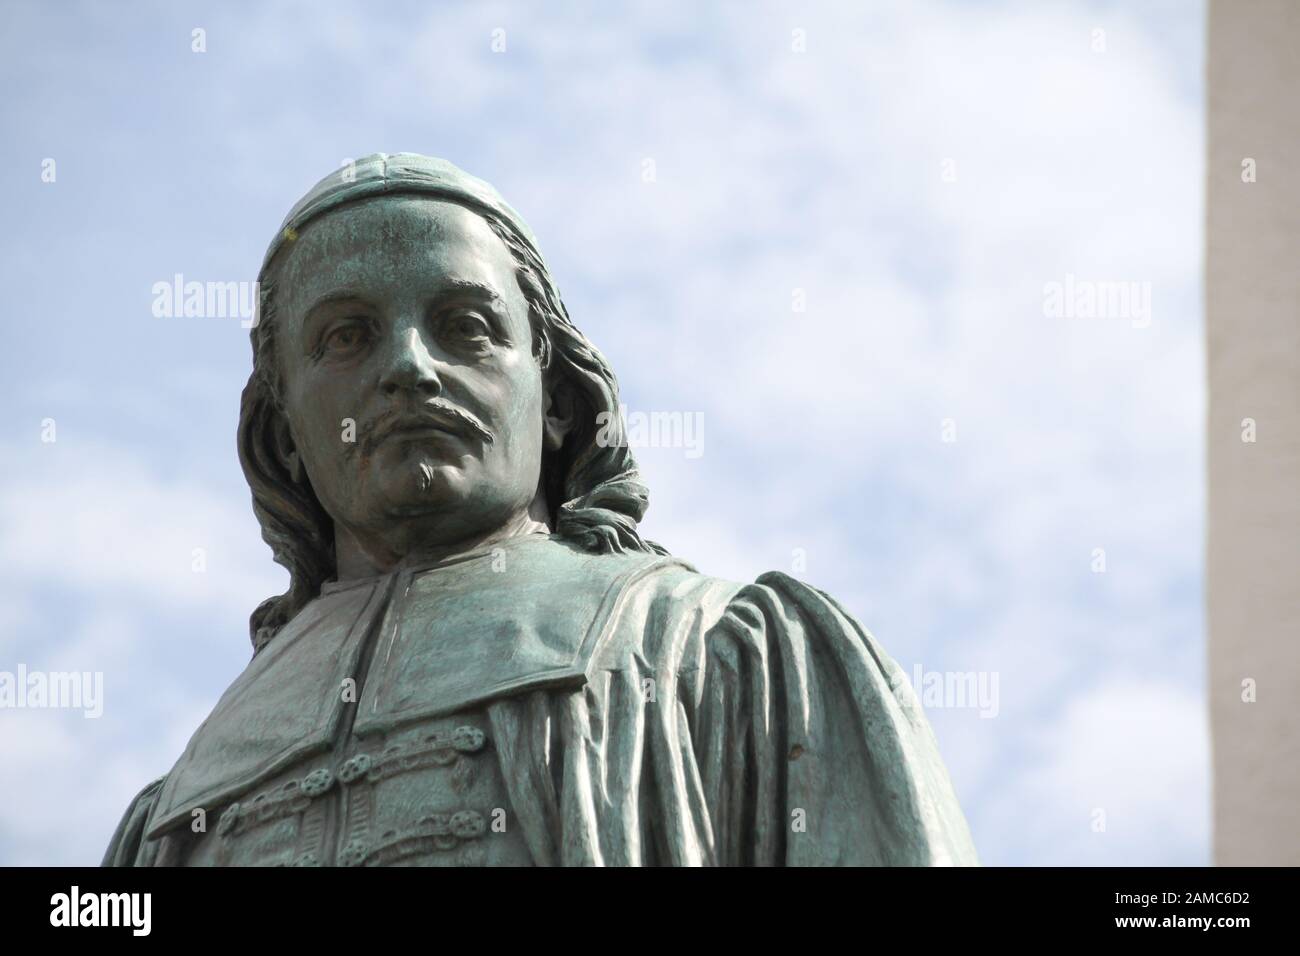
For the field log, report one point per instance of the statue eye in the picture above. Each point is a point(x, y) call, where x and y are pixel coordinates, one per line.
point(345, 338)
point(469, 328)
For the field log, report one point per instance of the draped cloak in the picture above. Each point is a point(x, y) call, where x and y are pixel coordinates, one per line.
point(640, 713)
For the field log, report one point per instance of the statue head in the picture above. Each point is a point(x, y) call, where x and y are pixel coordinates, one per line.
point(417, 384)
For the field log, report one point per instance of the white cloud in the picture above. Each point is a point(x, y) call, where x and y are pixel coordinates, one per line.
point(1129, 754)
point(93, 518)
point(96, 559)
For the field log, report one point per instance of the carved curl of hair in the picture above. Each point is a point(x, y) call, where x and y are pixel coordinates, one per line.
point(595, 494)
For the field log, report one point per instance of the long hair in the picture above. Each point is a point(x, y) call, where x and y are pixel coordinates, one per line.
point(593, 490)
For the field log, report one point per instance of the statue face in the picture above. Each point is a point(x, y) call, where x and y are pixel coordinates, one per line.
point(403, 315)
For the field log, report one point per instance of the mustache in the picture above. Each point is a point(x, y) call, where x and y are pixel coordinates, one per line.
point(436, 414)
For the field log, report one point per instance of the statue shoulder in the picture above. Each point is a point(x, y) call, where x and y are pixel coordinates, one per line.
point(847, 721)
point(126, 846)
point(678, 619)
point(781, 611)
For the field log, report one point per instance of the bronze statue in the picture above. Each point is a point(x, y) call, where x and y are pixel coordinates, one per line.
point(479, 659)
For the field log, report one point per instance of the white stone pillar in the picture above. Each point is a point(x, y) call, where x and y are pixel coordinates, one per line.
point(1252, 317)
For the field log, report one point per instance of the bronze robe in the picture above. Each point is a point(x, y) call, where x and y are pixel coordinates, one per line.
point(638, 712)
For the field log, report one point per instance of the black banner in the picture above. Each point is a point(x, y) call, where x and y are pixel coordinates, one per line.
point(344, 907)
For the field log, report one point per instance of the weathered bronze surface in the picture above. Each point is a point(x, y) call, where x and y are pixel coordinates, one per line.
point(479, 660)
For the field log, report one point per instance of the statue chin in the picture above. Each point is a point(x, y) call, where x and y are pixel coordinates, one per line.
point(422, 485)
point(425, 500)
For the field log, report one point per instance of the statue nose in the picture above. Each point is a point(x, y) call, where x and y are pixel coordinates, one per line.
point(410, 366)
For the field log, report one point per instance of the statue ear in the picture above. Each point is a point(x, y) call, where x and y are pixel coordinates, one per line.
point(286, 449)
point(559, 415)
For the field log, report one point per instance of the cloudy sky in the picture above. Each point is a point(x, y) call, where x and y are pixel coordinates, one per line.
point(828, 231)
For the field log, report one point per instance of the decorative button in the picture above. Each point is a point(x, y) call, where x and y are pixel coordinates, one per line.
point(354, 854)
point(468, 740)
point(317, 782)
point(228, 819)
point(355, 767)
point(467, 824)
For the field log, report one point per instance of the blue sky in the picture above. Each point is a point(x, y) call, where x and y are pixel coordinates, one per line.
point(920, 171)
